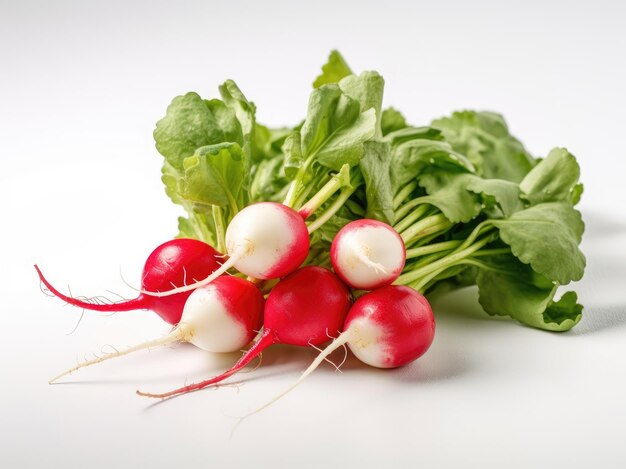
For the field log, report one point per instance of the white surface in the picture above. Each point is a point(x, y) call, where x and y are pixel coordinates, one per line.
point(81, 87)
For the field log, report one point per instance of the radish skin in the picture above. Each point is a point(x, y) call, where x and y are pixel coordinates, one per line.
point(302, 309)
point(367, 254)
point(265, 240)
point(221, 317)
point(171, 264)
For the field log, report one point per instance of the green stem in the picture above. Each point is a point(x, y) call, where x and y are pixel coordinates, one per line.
point(445, 262)
point(423, 227)
point(476, 232)
point(220, 228)
point(295, 188)
point(407, 221)
point(303, 195)
point(429, 234)
point(426, 260)
point(326, 192)
point(483, 265)
point(422, 284)
point(344, 195)
point(431, 248)
point(403, 194)
point(233, 204)
point(428, 281)
point(199, 227)
point(406, 208)
point(492, 252)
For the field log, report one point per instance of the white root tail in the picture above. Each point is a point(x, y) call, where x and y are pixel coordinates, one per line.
point(363, 256)
point(343, 338)
point(179, 333)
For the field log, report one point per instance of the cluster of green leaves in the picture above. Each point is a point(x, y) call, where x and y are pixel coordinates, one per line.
point(472, 205)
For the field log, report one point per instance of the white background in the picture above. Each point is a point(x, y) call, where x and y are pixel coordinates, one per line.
point(82, 85)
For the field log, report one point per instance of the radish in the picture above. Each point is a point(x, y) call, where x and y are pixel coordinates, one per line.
point(221, 317)
point(386, 328)
point(171, 264)
point(302, 309)
point(265, 240)
point(367, 254)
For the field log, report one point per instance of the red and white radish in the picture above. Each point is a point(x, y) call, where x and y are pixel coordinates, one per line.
point(302, 309)
point(367, 254)
point(265, 240)
point(221, 317)
point(173, 263)
point(386, 328)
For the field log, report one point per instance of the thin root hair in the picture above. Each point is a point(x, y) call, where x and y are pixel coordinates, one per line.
point(121, 298)
point(345, 352)
point(345, 357)
point(326, 359)
point(102, 349)
point(127, 283)
point(45, 290)
point(80, 318)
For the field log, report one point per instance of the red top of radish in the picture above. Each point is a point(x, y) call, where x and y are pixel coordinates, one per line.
point(172, 264)
point(307, 306)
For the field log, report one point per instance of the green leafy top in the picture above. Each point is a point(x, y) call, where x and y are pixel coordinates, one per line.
point(472, 205)
point(332, 71)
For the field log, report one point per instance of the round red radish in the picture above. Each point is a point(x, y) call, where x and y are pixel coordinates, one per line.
point(221, 317)
point(172, 264)
point(368, 254)
point(305, 308)
point(390, 326)
point(265, 240)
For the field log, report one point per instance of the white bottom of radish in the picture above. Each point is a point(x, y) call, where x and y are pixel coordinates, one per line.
point(264, 236)
point(369, 255)
point(367, 343)
point(212, 327)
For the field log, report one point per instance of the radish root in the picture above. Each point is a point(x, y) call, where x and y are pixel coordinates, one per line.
point(363, 255)
point(179, 333)
point(340, 341)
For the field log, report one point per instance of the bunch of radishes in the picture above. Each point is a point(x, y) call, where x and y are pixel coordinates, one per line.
point(395, 210)
point(388, 327)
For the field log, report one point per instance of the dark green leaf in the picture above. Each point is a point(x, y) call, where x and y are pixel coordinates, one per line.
point(567, 308)
point(412, 157)
point(213, 175)
point(367, 89)
point(511, 290)
point(375, 168)
point(506, 194)
point(484, 138)
point(546, 236)
point(553, 179)
point(448, 192)
point(192, 122)
point(293, 154)
point(397, 137)
point(392, 120)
